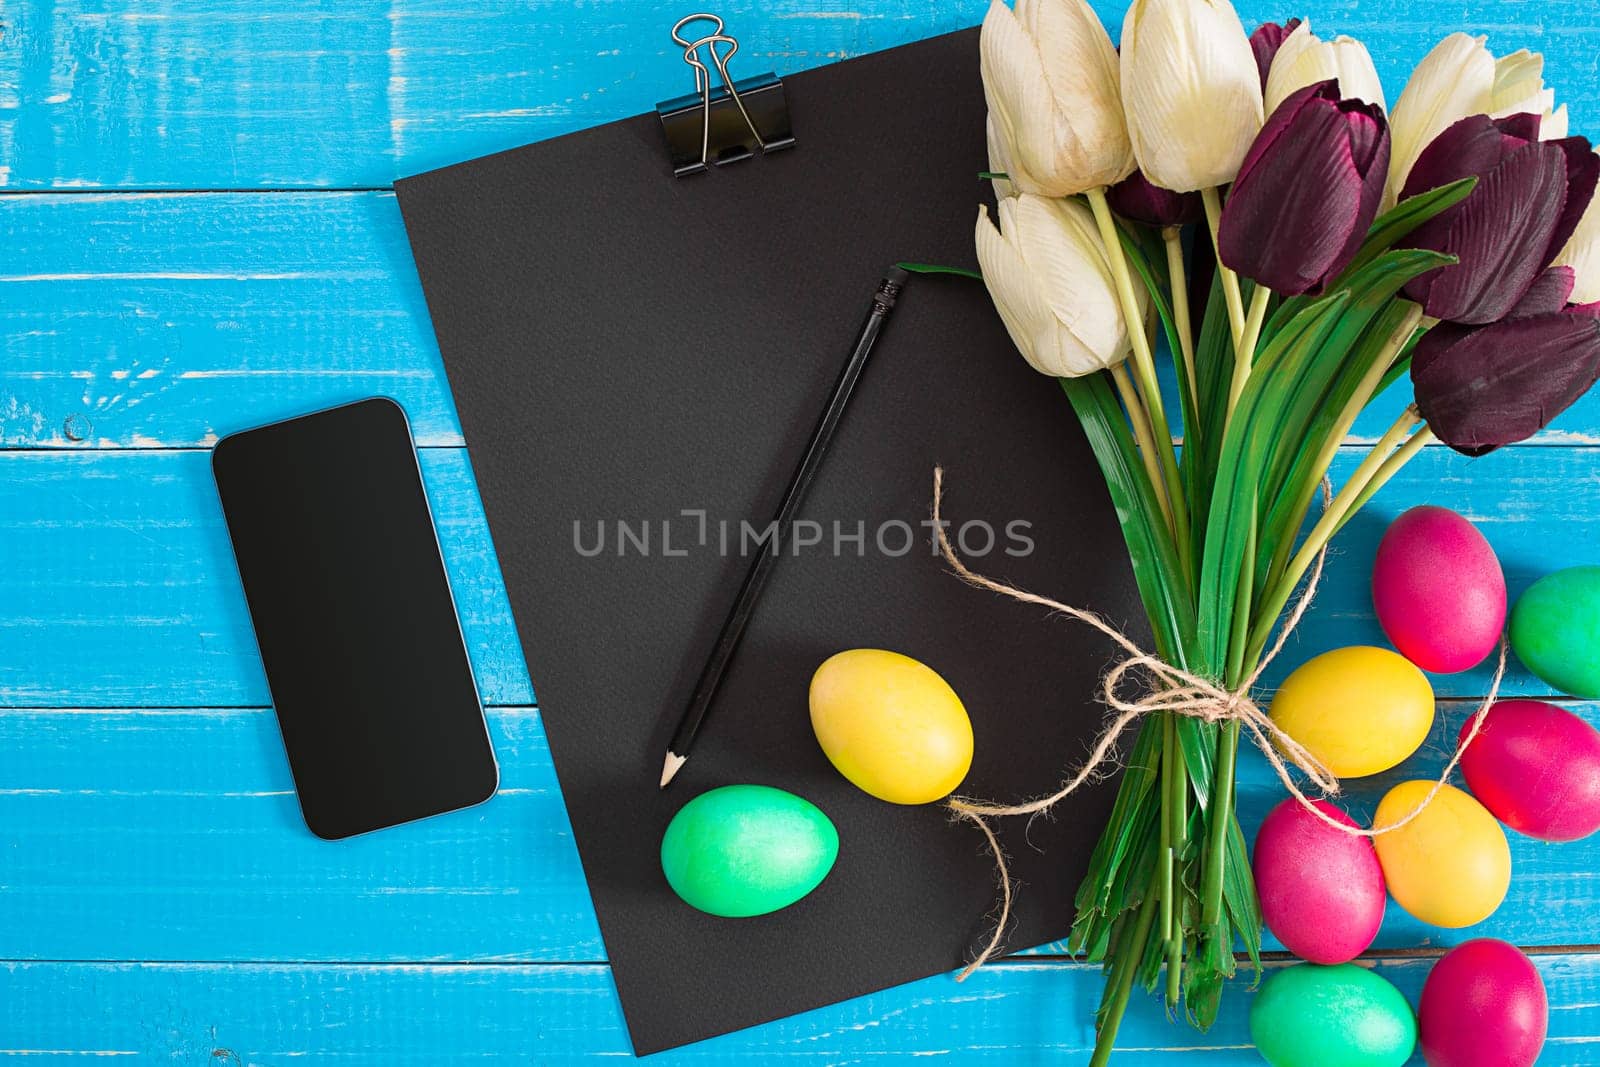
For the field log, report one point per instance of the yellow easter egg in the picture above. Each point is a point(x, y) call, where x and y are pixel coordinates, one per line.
point(1451, 865)
point(891, 725)
point(1359, 710)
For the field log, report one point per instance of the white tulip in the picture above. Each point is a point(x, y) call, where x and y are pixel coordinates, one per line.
point(1191, 91)
point(1460, 77)
point(1454, 80)
point(1582, 254)
point(999, 160)
point(1050, 77)
point(1306, 59)
point(1048, 275)
point(1519, 90)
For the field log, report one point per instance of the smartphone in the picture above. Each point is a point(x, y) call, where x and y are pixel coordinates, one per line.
point(354, 618)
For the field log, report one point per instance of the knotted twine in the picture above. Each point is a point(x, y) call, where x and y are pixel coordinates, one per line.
point(1170, 689)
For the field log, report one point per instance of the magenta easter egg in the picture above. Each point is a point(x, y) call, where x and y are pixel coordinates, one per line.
point(1438, 590)
point(1321, 890)
point(1536, 767)
point(1483, 1005)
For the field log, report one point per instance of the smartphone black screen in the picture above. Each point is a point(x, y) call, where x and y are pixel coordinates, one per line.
point(353, 615)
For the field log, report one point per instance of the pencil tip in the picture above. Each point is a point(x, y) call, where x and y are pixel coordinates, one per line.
point(670, 769)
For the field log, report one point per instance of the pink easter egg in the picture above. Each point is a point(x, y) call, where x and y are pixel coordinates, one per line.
point(1483, 1005)
point(1537, 768)
point(1438, 589)
point(1321, 890)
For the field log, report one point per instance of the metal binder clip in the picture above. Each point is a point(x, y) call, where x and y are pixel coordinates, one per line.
point(734, 122)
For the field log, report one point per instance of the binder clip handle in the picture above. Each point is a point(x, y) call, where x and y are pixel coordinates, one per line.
point(733, 122)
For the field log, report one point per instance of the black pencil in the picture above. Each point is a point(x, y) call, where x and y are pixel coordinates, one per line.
point(733, 627)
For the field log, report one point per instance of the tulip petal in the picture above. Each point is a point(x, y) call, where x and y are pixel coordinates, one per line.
point(1504, 383)
point(1191, 91)
point(1010, 286)
point(1017, 94)
point(1582, 254)
point(1453, 80)
point(999, 158)
point(1555, 124)
point(1501, 233)
point(1136, 198)
point(1301, 205)
point(1583, 171)
point(1060, 243)
point(1547, 295)
point(1305, 59)
point(1469, 148)
point(1050, 77)
point(1266, 41)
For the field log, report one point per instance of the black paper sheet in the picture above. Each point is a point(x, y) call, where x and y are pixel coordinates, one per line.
point(624, 346)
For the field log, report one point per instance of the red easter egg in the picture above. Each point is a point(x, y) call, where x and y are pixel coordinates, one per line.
point(1321, 890)
point(1483, 1005)
point(1537, 768)
point(1438, 590)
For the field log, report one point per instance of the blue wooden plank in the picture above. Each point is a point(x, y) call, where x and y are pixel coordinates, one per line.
point(235, 93)
point(149, 321)
point(153, 833)
point(166, 320)
point(1008, 1014)
point(120, 590)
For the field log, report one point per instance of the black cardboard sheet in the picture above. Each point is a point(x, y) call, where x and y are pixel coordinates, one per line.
point(628, 347)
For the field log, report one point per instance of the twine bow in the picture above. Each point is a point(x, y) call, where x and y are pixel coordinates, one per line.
point(1168, 689)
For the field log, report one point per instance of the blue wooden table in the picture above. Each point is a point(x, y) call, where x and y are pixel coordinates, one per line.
point(197, 236)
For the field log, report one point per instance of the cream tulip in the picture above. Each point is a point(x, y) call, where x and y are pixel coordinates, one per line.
point(1454, 80)
point(1191, 91)
point(1458, 78)
point(1519, 90)
point(1582, 254)
point(1306, 59)
point(999, 160)
point(1049, 278)
point(1050, 77)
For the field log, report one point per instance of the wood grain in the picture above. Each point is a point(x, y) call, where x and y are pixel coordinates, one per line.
point(236, 94)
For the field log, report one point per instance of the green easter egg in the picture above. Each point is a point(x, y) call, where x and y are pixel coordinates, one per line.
point(1555, 630)
point(1341, 1016)
point(747, 850)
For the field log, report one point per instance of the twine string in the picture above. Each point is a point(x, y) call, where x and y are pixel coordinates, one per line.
point(1165, 688)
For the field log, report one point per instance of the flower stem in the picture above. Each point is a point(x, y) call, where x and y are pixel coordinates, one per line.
point(1128, 956)
point(1212, 199)
point(1144, 364)
point(1245, 355)
point(1349, 497)
point(1172, 238)
point(1392, 347)
point(1142, 435)
point(1175, 832)
point(1164, 853)
point(1391, 466)
point(1228, 742)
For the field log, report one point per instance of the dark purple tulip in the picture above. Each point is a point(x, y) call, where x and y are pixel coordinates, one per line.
point(1136, 198)
point(1266, 41)
point(1530, 196)
point(1487, 386)
point(1307, 192)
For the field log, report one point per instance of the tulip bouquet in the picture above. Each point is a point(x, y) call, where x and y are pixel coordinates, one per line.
point(1347, 247)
